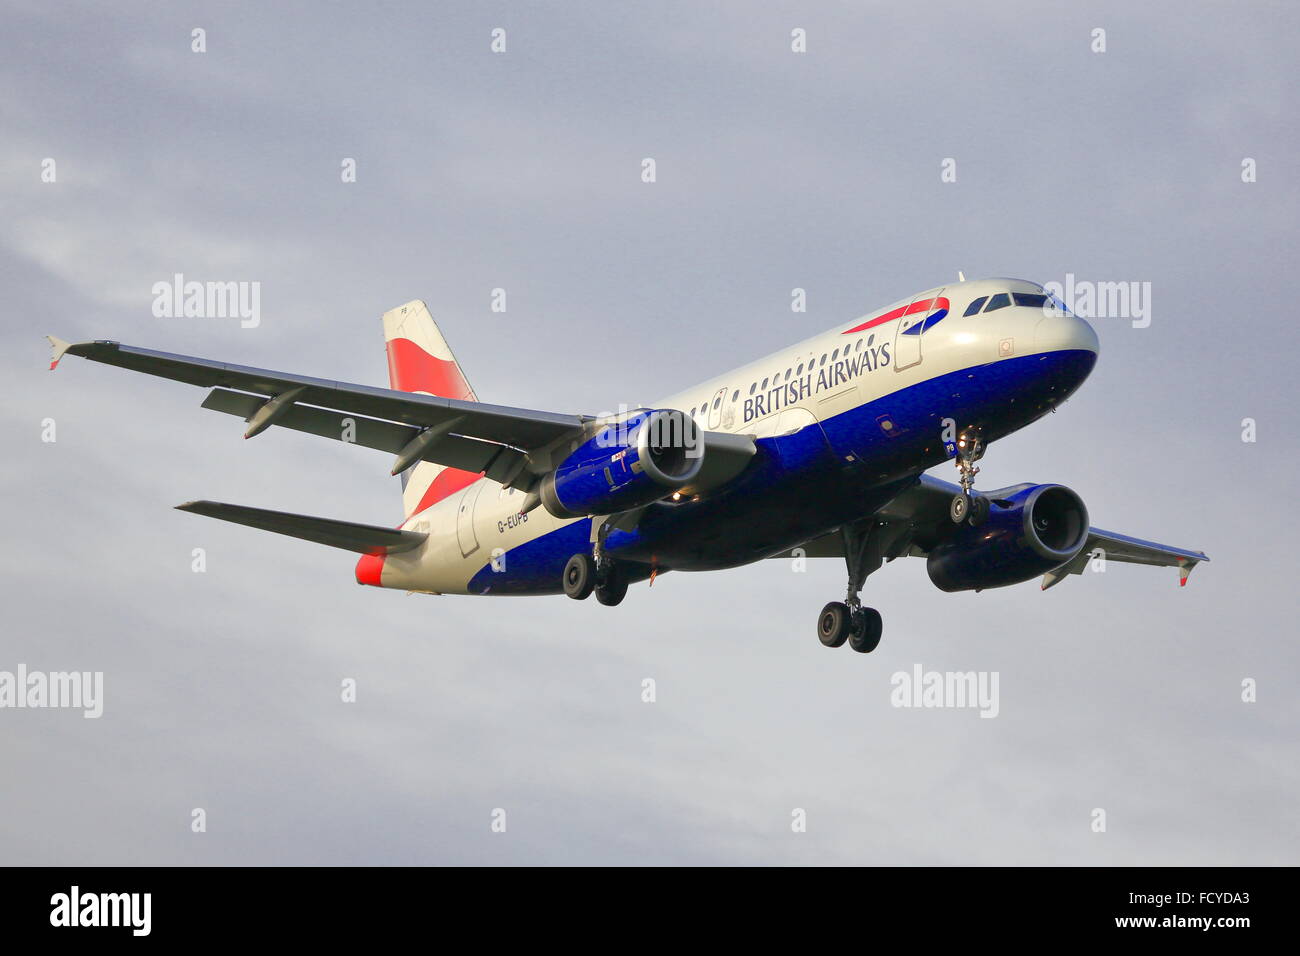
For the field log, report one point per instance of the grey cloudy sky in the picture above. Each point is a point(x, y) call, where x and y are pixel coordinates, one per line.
point(522, 171)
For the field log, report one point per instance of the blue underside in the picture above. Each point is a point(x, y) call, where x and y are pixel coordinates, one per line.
point(802, 485)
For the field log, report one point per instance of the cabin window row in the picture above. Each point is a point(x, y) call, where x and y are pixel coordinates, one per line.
point(778, 378)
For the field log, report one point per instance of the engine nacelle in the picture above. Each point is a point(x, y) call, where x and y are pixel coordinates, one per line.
point(625, 465)
point(1028, 533)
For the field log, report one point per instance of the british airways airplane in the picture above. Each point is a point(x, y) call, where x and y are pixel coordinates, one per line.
point(817, 450)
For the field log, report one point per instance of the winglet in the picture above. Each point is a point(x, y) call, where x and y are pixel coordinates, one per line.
point(60, 347)
point(1184, 569)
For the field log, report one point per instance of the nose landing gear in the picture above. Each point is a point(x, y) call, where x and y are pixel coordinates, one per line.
point(966, 507)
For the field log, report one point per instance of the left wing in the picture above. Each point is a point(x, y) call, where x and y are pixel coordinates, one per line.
point(512, 446)
point(918, 520)
point(509, 445)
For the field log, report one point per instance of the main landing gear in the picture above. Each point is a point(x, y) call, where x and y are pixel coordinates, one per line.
point(966, 507)
point(840, 621)
point(860, 626)
point(585, 574)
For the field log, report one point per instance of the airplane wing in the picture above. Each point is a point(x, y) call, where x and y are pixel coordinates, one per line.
point(504, 443)
point(917, 520)
point(512, 446)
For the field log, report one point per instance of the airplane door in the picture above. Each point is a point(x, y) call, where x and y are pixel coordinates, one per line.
point(911, 329)
point(465, 533)
point(715, 408)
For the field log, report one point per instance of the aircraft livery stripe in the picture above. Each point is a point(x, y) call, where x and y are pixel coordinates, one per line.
point(925, 305)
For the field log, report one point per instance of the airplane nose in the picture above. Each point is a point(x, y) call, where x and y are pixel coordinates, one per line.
point(1064, 333)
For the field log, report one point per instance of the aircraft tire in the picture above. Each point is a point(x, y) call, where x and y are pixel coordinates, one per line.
point(867, 629)
point(579, 577)
point(834, 624)
point(614, 588)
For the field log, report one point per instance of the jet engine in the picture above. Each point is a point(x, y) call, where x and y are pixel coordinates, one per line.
point(1028, 533)
point(625, 465)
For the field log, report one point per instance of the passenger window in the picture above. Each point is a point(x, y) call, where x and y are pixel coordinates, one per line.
point(1031, 299)
point(716, 402)
point(800, 371)
point(764, 383)
point(823, 361)
point(753, 387)
point(835, 355)
point(999, 301)
point(788, 373)
point(975, 306)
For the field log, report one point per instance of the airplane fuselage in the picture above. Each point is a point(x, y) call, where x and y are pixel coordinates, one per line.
point(843, 421)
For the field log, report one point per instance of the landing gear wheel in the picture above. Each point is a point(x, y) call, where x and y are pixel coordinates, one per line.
point(867, 628)
point(979, 511)
point(579, 577)
point(959, 508)
point(613, 589)
point(834, 624)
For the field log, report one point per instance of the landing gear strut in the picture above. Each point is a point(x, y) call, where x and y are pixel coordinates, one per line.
point(840, 621)
point(966, 507)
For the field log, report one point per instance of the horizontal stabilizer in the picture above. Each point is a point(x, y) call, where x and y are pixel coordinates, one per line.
point(361, 538)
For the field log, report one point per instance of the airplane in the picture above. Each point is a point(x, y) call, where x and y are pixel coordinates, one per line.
point(818, 450)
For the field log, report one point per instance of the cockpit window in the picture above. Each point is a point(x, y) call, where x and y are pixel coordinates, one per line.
point(999, 301)
point(1058, 305)
point(975, 306)
point(1031, 299)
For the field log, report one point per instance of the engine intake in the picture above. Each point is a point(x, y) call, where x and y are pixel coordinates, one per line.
point(625, 465)
point(1028, 533)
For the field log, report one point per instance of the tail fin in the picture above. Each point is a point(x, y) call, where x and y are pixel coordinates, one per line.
point(419, 360)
